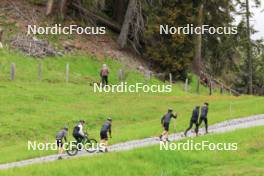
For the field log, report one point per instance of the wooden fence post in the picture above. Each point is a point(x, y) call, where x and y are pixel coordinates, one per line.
point(186, 85)
point(147, 76)
point(40, 72)
point(170, 75)
point(198, 86)
point(210, 87)
point(121, 75)
point(221, 89)
point(67, 72)
point(13, 71)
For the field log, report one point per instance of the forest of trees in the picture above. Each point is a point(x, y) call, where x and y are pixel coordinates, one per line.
point(236, 59)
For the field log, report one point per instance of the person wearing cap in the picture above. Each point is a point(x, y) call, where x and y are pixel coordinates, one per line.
point(203, 117)
point(194, 120)
point(78, 133)
point(62, 134)
point(165, 122)
point(107, 127)
point(104, 74)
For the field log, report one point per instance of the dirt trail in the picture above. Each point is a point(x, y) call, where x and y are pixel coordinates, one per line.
point(226, 126)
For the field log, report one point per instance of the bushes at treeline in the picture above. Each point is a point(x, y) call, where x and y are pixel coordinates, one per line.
point(221, 56)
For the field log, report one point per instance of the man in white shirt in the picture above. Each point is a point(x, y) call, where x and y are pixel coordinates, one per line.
point(78, 133)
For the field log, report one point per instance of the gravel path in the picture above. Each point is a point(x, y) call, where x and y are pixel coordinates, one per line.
point(226, 126)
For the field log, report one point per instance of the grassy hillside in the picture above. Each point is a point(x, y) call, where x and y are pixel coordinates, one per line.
point(36, 110)
point(246, 161)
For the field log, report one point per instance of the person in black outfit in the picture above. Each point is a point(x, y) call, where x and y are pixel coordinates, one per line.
point(203, 117)
point(107, 127)
point(165, 122)
point(194, 120)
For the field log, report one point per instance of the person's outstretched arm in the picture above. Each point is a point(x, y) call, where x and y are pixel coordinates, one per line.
point(162, 119)
point(175, 115)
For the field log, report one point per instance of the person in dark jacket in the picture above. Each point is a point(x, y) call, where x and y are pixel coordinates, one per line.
point(194, 120)
point(165, 122)
point(78, 132)
point(203, 117)
point(62, 134)
point(106, 128)
point(104, 74)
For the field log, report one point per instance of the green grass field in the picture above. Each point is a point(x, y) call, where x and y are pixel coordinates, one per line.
point(36, 110)
point(246, 161)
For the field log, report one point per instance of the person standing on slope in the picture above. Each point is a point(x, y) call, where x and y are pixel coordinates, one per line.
point(59, 137)
point(203, 117)
point(194, 120)
point(104, 74)
point(1, 34)
point(107, 127)
point(165, 122)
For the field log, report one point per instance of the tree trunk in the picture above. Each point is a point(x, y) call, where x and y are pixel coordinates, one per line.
point(115, 27)
point(198, 44)
point(198, 49)
point(50, 4)
point(123, 36)
point(119, 10)
point(1, 34)
point(63, 8)
point(100, 4)
point(249, 54)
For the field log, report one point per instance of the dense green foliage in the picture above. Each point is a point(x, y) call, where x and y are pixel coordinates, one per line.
point(241, 73)
point(228, 57)
point(169, 53)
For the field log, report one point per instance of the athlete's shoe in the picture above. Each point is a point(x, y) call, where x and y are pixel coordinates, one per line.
point(167, 140)
point(185, 134)
point(160, 137)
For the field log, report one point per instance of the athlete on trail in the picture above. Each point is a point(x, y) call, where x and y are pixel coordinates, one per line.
point(194, 120)
point(107, 127)
point(165, 122)
point(203, 117)
point(104, 74)
point(78, 133)
point(59, 137)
